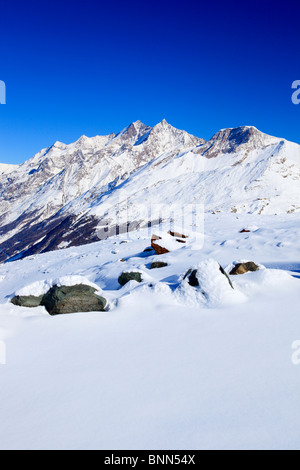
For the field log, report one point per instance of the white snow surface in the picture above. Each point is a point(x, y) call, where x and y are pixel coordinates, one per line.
point(238, 170)
point(164, 368)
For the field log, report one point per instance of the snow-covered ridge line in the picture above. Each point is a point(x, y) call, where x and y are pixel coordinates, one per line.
point(206, 367)
point(61, 196)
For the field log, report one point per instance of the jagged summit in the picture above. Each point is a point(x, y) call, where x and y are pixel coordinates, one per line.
point(163, 123)
point(59, 145)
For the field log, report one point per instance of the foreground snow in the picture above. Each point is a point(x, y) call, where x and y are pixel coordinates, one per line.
point(162, 369)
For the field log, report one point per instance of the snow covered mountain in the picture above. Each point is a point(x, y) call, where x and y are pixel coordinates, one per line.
point(64, 194)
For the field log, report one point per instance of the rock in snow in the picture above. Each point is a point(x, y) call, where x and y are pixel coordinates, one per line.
point(205, 270)
point(158, 264)
point(207, 284)
point(166, 242)
point(156, 245)
point(178, 366)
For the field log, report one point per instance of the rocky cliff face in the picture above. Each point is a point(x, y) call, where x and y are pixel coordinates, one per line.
point(233, 140)
point(63, 194)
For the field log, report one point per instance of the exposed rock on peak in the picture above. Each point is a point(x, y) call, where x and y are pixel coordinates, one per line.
point(233, 139)
point(133, 132)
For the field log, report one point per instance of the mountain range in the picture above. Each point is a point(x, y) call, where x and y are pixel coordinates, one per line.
point(69, 195)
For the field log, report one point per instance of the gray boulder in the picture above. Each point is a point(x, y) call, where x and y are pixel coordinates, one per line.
point(27, 300)
point(158, 264)
point(72, 299)
point(242, 268)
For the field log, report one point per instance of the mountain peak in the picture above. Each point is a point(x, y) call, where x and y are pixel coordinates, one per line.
point(83, 139)
point(235, 138)
point(167, 133)
point(137, 124)
point(134, 130)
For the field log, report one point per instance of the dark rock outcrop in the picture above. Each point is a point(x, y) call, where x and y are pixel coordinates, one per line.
point(160, 250)
point(226, 275)
point(27, 300)
point(131, 276)
point(242, 268)
point(192, 277)
point(193, 280)
point(177, 235)
point(72, 299)
point(158, 264)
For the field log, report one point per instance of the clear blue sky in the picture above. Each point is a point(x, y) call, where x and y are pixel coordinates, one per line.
point(83, 67)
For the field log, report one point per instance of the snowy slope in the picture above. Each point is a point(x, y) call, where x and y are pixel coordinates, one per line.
point(161, 369)
point(65, 194)
point(7, 168)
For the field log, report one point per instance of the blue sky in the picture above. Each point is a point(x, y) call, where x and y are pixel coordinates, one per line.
point(74, 68)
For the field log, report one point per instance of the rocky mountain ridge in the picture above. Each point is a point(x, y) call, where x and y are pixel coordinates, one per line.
point(63, 194)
